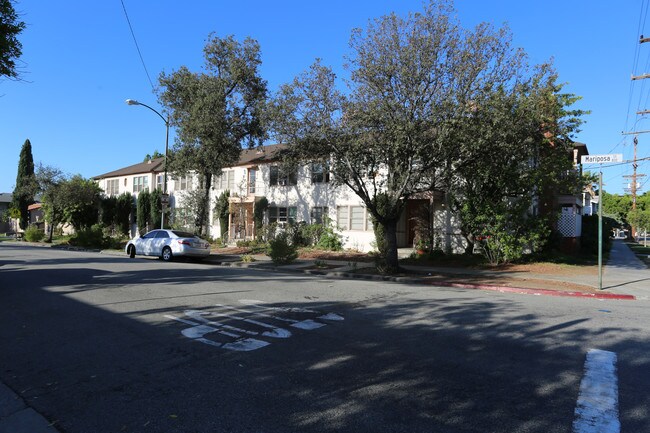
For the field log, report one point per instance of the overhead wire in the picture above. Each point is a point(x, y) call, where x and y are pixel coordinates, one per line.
point(136, 45)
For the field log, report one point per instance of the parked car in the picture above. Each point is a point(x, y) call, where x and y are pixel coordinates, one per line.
point(168, 244)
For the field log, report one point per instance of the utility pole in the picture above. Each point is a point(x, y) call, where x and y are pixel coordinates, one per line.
point(634, 184)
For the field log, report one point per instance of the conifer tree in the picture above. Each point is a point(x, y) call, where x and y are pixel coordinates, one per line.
point(26, 186)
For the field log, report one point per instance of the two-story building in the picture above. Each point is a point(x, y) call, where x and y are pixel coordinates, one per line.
point(308, 194)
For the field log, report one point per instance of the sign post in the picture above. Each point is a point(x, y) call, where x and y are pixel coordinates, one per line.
point(601, 159)
point(600, 230)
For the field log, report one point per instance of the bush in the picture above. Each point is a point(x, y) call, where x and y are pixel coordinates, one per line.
point(90, 238)
point(34, 234)
point(589, 238)
point(330, 241)
point(281, 250)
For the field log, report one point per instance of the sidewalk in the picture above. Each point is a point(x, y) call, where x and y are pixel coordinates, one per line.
point(625, 273)
point(17, 417)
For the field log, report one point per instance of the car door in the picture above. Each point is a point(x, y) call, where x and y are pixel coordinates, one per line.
point(159, 242)
point(144, 245)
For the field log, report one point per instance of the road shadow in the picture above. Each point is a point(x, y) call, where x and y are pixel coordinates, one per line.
point(395, 363)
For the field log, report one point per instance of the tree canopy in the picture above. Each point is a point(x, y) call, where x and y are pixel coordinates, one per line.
point(10, 46)
point(26, 186)
point(426, 100)
point(217, 111)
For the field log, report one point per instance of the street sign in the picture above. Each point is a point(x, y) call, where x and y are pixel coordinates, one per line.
point(601, 159)
point(164, 199)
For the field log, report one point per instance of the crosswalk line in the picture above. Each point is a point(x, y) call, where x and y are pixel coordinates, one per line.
point(597, 407)
point(307, 324)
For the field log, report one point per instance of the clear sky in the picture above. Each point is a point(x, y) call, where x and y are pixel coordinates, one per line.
point(80, 63)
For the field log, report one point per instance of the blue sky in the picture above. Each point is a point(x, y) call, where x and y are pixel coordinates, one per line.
point(80, 63)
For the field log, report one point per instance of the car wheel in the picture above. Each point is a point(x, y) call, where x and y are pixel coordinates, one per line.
point(166, 254)
point(131, 251)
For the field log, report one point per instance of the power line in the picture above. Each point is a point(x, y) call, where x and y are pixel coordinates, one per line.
point(136, 44)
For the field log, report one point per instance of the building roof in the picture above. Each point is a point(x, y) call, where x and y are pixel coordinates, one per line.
point(34, 206)
point(6, 197)
point(155, 165)
point(257, 155)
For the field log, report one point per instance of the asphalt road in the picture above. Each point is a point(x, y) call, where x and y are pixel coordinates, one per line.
point(100, 343)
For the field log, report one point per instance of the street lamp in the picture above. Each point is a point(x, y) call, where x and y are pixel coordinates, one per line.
point(162, 216)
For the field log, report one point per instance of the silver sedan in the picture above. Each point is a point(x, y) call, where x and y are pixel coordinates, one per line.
point(168, 244)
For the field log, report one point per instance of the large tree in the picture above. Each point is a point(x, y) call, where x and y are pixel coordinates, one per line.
point(10, 46)
point(215, 111)
point(50, 181)
point(26, 186)
point(80, 200)
point(512, 153)
point(394, 133)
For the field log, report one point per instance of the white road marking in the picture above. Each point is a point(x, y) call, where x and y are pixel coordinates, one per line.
point(198, 331)
point(260, 305)
point(198, 315)
point(597, 407)
point(201, 325)
point(331, 316)
point(301, 324)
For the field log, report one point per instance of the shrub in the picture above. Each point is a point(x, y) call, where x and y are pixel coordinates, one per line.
point(92, 237)
point(247, 258)
point(34, 234)
point(281, 250)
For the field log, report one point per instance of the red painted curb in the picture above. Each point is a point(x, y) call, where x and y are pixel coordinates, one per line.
point(504, 289)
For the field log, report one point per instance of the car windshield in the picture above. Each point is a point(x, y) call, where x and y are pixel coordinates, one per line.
point(184, 234)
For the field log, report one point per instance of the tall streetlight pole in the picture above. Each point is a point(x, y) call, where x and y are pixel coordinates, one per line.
point(162, 215)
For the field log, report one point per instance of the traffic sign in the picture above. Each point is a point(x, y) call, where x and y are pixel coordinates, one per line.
point(601, 159)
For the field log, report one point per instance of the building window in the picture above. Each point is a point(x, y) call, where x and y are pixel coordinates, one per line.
point(282, 178)
point(282, 214)
point(320, 172)
point(252, 175)
point(353, 218)
point(159, 182)
point(318, 214)
point(184, 183)
point(112, 187)
point(227, 180)
point(140, 183)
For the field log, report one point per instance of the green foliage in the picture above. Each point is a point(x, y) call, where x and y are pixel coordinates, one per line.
point(487, 114)
point(639, 219)
point(617, 206)
point(155, 208)
point(108, 210)
point(10, 46)
point(505, 235)
point(123, 213)
point(34, 234)
point(89, 237)
point(281, 250)
point(26, 186)
point(589, 238)
point(247, 258)
point(155, 155)
point(260, 206)
point(143, 205)
point(215, 112)
point(80, 200)
point(221, 212)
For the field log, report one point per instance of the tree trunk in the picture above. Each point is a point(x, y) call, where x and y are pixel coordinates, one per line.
point(205, 211)
point(390, 247)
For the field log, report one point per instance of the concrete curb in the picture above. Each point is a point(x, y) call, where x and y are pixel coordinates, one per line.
point(17, 417)
point(269, 266)
point(409, 280)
